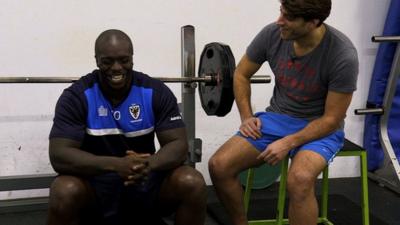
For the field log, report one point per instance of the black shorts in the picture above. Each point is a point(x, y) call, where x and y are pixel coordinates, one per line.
point(134, 204)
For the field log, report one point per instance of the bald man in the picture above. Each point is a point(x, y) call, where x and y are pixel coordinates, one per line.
point(102, 146)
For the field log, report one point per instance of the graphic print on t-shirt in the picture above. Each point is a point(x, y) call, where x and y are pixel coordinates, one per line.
point(298, 80)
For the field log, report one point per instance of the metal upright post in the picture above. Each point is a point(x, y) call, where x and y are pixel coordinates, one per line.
point(188, 93)
point(389, 173)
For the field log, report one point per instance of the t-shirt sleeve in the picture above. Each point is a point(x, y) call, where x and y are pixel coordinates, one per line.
point(257, 50)
point(344, 72)
point(166, 110)
point(69, 118)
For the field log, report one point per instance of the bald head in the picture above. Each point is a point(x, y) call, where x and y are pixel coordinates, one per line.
point(112, 37)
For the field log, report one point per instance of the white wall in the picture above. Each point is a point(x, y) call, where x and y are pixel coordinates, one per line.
point(56, 38)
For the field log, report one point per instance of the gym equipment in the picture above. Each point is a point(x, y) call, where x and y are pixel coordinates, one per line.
point(217, 59)
point(382, 155)
point(381, 130)
point(25, 182)
point(262, 176)
point(217, 65)
point(349, 149)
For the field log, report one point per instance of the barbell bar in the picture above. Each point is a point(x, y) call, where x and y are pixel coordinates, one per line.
point(215, 78)
point(385, 38)
point(208, 79)
point(377, 111)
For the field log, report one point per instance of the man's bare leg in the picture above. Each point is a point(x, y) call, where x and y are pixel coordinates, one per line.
point(69, 196)
point(185, 192)
point(303, 172)
point(230, 159)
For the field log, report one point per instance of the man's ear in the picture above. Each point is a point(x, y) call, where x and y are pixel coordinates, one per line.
point(97, 61)
point(312, 23)
point(315, 22)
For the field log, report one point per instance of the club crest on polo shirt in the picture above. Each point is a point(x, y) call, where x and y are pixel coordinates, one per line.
point(134, 110)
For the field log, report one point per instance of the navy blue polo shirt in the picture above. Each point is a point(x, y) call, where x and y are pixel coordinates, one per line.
point(84, 114)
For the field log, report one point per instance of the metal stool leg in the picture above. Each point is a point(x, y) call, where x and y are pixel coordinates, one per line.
point(247, 191)
point(279, 220)
point(323, 218)
point(364, 188)
point(282, 191)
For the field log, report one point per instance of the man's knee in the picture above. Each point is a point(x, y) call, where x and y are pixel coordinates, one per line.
point(234, 156)
point(189, 180)
point(184, 186)
point(300, 184)
point(69, 191)
point(218, 166)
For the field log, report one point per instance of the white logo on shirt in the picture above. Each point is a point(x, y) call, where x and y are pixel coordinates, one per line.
point(102, 111)
point(117, 115)
point(175, 118)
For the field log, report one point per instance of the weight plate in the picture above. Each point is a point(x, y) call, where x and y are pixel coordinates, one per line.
point(217, 60)
point(264, 175)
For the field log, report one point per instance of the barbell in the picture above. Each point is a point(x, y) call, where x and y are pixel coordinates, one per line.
point(209, 79)
point(215, 78)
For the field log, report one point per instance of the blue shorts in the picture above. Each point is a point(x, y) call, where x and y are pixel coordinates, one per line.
point(275, 126)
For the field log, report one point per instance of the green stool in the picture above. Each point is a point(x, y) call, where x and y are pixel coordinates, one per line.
point(349, 149)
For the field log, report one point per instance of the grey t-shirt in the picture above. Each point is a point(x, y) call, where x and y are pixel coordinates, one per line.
point(302, 83)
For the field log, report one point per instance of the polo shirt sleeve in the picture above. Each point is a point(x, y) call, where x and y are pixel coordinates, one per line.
point(70, 117)
point(166, 110)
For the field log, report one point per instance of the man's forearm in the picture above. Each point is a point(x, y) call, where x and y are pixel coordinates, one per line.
point(242, 93)
point(335, 111)
point(78, 162)
point(315, 129)
point(169, 156)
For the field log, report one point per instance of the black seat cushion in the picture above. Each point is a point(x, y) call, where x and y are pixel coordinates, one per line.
point(350, 146)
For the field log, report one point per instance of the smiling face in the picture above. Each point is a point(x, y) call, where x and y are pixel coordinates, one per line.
point(114, 59)
point(300, 17)
point(292, 27)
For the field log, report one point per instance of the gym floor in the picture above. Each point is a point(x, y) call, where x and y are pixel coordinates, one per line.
point(384, 205)
point(343, 206)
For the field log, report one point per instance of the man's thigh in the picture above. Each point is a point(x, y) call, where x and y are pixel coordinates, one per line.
point(327, 146)
point(307, 164)
point(238, 154)
point(274, 126)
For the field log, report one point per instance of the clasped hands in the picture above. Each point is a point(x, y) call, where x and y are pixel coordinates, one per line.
point(134, 168)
